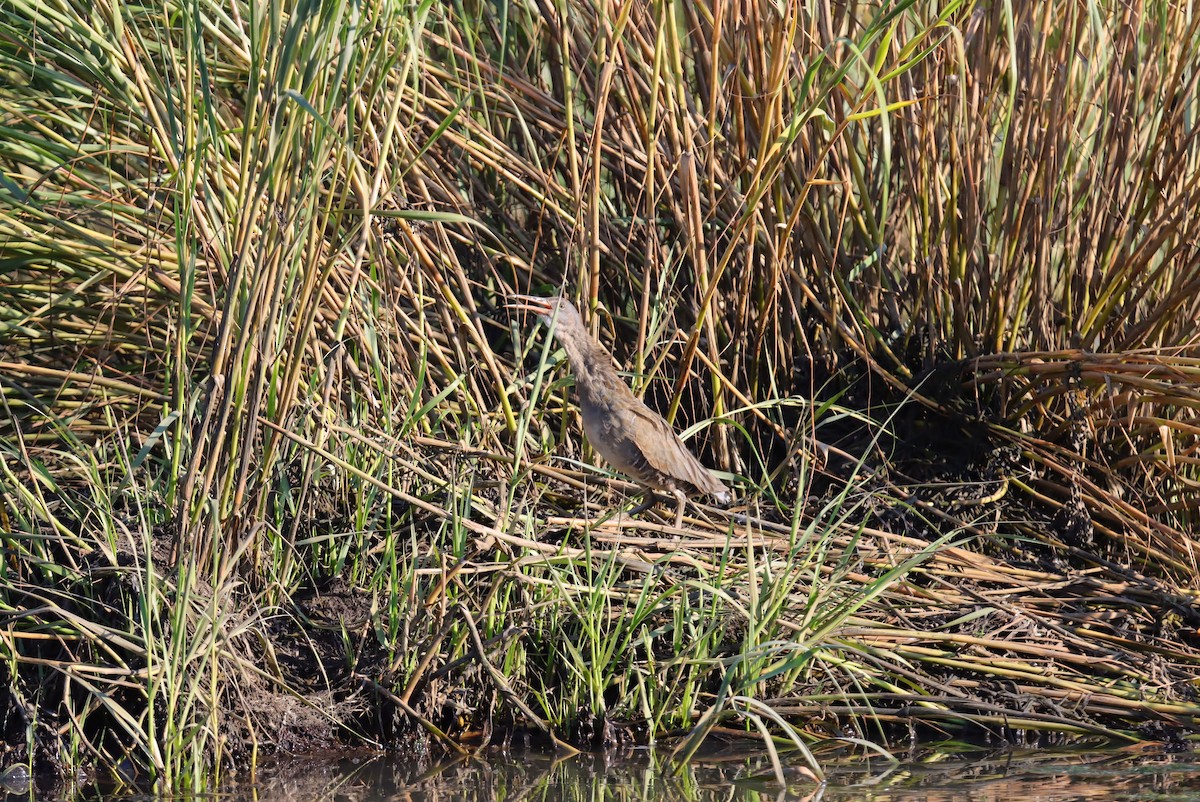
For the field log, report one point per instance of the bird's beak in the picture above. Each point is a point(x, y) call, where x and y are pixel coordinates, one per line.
point(529, 303)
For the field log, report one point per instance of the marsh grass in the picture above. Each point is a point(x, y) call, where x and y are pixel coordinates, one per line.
point(277, 472)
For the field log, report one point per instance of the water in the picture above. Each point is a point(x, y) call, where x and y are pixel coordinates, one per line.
point(644, 775)
point(1029, 776)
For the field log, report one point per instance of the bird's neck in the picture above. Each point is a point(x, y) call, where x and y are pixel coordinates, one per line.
point(595, 377)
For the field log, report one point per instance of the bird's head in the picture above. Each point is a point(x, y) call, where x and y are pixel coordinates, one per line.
point(556, 312)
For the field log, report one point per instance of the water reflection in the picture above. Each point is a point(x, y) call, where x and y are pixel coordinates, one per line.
point(1041, 776)
point(725, 774)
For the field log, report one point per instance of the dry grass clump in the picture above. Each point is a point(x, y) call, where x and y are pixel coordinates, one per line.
point(251, 361)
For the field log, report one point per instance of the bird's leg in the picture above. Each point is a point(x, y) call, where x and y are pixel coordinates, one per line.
point(680, 497)
point(647, 502)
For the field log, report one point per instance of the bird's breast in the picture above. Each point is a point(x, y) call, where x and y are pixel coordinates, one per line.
point(601, 424)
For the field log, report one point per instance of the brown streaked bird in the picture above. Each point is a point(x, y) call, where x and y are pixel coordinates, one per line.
point(633, 438)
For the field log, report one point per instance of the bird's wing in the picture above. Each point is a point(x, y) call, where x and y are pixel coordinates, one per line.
point(663, 451)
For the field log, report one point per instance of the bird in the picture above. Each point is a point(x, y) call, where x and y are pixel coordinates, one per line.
point(633, 438)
